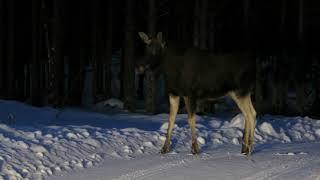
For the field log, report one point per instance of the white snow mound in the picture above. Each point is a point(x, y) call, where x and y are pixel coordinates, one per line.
point(267, 128)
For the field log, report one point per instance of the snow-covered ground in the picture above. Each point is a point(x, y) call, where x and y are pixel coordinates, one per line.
point(45, 143)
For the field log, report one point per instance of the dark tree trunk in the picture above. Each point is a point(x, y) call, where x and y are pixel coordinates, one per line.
point(196, 38)
point(108, 51)
point(246, 38)
point(282, 89)
point(283, 15)
point(57, 45)
point(300, 85)
point(36, 98)
point(100, 54)
point(246, 4)
point(128, 58)
point(94, 55)
point(203, 37)
point(1, 48)
point(151, 81)
point(80, 35)
point(95, 59)
point(203, 24)
point(301, 21)
point(152, 18)
point(10, 46)
point(196, 33)
point(83, 52)
point(212, 33)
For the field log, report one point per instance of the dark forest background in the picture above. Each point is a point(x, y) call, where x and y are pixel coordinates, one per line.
point(47, 48)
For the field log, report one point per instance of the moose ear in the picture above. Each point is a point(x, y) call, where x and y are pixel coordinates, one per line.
point(159, 36)
point(144, 37)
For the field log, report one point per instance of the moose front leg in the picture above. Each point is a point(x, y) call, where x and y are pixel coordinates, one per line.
point(174, 107)
point(191, 108)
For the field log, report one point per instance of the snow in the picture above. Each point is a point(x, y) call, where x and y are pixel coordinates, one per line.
point(317, 131)
point(267, 129)
point(201, 140)
point(164, 127)
point(113, 103)
point(236, 122)
point(46, 143)
point(224, 162)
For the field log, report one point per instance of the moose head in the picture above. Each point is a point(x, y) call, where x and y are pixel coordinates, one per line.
point(154, 51)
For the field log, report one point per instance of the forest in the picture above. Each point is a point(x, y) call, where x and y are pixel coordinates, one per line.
point(77, 102)
point(74, 53)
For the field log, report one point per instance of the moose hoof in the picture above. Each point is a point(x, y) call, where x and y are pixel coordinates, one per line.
point(245, 150)
point(165, 149)
point(195, 148)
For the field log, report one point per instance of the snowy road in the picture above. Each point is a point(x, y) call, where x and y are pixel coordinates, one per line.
point(281, 161)
point(45, 143)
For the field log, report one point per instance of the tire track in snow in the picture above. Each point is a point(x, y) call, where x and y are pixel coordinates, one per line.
point(154, 170)
point(271, 173)
point(275, 172)
point(305, 164)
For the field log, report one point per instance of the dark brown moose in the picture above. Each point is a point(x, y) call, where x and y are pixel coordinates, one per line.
point(196, 75)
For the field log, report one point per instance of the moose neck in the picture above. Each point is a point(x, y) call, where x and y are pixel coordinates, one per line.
point(174, 49)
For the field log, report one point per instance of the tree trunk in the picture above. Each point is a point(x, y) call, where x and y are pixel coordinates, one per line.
point(203, 25)
point(246, 40)
point(203, 37)
point(283, 15)
point(96, 60)
point(300, 97)
point(301, 20)
point(57, 45)
point(196, 24)
point(35, 89)
point(128, 58)
point(108, 61)
point(283, 86)
point(211, 42)
point(81, 60)
point(151, 95)
point(1, 48)
point(152, 18)
point(246, 4)
point(10, 62)
point(300, 85)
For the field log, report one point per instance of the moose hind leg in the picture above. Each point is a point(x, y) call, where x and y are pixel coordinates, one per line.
point(253, 120)
point(191, 108)
point(174, 107)
point(245, 105)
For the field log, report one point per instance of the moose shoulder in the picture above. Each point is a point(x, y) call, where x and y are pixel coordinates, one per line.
point(196, 74)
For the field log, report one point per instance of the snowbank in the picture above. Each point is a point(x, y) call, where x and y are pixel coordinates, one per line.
point(40, 142)
point(112, 103)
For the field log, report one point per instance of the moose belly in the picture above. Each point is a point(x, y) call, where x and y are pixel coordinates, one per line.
point(199, 92)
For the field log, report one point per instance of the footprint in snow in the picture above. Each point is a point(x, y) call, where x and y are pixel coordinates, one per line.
point(290, 153)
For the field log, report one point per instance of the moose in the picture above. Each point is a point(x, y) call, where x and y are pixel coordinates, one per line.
point(195, 75)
